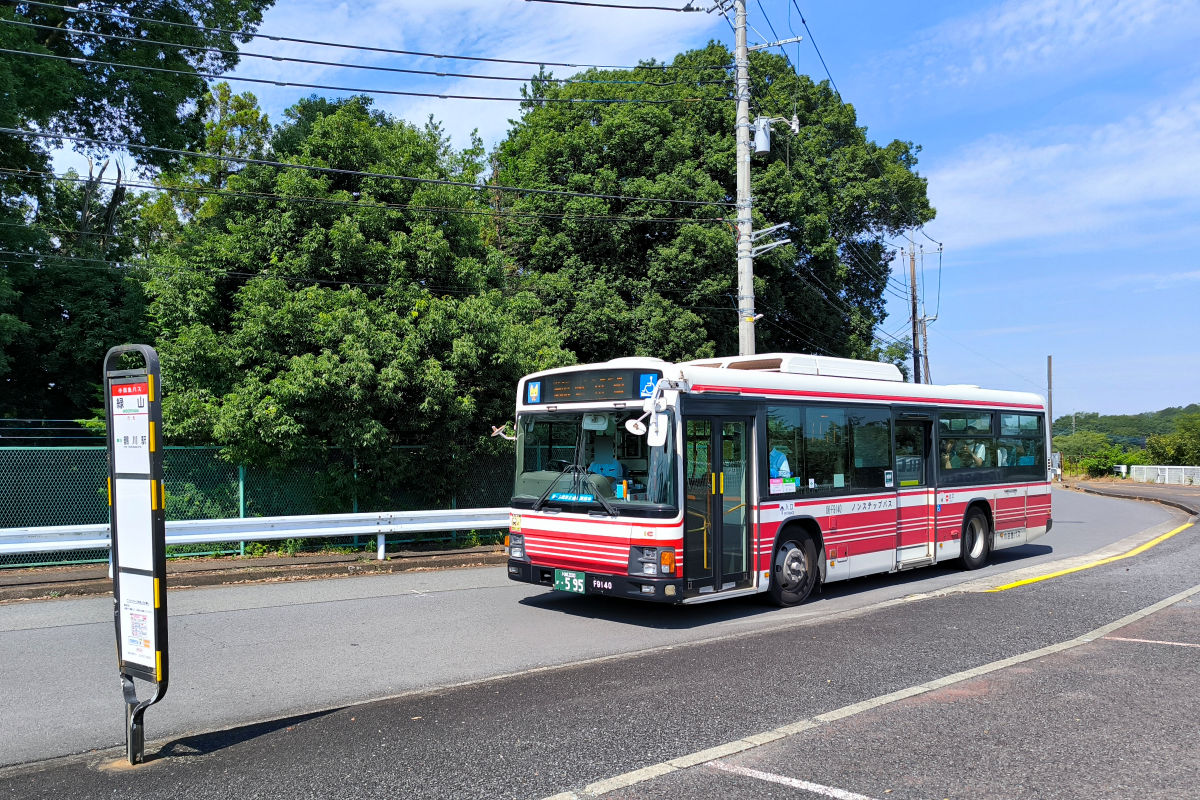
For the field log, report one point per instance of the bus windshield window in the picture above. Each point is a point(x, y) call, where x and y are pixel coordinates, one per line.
point(588, 459)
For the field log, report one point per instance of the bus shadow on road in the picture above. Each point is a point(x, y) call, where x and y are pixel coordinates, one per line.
point(206, 743)
point(641, 614)
point(649, 615)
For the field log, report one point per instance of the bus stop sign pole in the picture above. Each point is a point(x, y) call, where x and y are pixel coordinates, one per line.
point(133, 412)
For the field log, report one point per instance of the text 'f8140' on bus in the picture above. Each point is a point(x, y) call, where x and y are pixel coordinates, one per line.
point(774, 473)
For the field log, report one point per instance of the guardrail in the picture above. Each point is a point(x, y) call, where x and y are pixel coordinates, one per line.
point(1177, 476)
point(15, 541)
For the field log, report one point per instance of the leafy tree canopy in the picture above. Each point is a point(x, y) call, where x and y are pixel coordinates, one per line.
point(62, 304)
point(314, 310)
point(660, 280)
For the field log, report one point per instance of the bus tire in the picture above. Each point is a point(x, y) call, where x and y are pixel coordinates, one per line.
point(794, 568)
point(976, 540)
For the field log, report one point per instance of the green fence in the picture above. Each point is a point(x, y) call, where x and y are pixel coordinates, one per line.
point(67, 486)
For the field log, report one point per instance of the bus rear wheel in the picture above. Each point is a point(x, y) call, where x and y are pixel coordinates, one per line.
point(976, 540)
point(794, 568)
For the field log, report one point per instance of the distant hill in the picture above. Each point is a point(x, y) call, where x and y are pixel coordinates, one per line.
point(1129, 430)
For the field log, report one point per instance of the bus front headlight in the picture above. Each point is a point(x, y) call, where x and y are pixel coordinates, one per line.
point(516, 546)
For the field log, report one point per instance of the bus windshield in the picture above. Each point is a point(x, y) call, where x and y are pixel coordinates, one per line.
point(588, 461)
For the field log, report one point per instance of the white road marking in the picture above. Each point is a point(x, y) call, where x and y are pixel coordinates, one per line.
point(652, 771)
point(795, 783)
point(1151, 641)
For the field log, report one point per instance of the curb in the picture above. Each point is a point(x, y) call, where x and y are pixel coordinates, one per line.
point(1146, 498)
point(94, 580)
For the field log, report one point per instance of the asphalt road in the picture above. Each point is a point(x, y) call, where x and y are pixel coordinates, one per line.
point(635, 686)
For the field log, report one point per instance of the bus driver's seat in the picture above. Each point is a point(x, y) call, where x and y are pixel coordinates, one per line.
point(604, 458)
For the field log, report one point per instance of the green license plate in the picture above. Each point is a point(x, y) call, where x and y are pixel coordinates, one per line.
point(568, 581)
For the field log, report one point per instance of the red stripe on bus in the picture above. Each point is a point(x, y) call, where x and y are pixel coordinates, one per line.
point(849, 396)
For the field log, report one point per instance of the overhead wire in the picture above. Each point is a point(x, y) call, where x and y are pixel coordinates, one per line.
point(360, 91)
point(874, 154)
point(419, 208)
point(362, 174)
point(245, 35)
point(622, 6)
point(369, 67)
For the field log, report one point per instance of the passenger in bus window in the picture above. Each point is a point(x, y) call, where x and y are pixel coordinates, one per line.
point(949, 459)
point(779, 463)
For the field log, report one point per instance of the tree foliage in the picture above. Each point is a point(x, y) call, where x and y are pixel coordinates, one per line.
point(314, 310)
point(661, 279)
point(1182, 447)
point(1125, 429)
point(63, 301)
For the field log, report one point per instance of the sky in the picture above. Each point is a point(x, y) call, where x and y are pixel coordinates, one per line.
point(1060, 140)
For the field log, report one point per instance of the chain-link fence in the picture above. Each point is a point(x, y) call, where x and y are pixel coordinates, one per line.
point(67, 486)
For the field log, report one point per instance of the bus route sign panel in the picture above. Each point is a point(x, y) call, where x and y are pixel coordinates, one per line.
point(138, 525)
point(131, 426)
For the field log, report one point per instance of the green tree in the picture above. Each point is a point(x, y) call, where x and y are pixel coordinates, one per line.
point(1075, 446)
point(78, 296)
point(1179, 448)
point(320, 310)
point(60, 93)
point(626, 277)
point(56, 310)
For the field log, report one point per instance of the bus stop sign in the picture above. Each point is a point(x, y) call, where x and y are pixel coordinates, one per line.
point(133, 413)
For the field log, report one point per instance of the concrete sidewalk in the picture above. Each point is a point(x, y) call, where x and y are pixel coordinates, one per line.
point(91, 579)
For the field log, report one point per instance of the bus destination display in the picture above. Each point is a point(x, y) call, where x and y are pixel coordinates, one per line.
point(582, 387)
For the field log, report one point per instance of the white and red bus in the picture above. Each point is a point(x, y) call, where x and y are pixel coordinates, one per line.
point(773, 473)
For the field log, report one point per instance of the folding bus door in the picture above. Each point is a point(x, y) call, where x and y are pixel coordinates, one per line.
point(915, 493)
point(717, 534)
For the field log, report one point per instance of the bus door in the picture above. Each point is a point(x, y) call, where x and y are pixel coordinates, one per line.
point(717, 551)
point(916, 521)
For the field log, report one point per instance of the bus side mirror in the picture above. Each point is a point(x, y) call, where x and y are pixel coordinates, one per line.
point(656, 433)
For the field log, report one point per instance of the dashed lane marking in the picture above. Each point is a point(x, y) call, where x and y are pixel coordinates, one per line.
point(1151, 641)
point(1135, 551)
point(709, 757)
point(795, 783)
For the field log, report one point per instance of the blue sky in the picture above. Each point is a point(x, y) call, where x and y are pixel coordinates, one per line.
point(1061, 140)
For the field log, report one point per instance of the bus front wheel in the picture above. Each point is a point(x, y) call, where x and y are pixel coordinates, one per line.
point(794, 568)
point(976, 540)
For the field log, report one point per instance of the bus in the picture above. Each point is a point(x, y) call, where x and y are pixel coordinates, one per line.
point(776, 473)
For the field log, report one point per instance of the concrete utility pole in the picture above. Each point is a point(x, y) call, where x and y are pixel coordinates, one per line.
point(1050, 394)
point(745, 225)
point(916, 322)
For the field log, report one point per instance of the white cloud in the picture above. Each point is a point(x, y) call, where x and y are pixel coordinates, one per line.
point(1148, 281)
point(1032, 37)
point(1135, 177)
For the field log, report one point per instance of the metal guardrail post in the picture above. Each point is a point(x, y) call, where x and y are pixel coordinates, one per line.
point(241, 502)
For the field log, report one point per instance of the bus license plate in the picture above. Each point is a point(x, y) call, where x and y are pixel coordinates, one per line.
point(568, 581)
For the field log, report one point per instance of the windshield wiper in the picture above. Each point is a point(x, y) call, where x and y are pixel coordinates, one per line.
point(577, 472)
point(541, 501)
point(612, 512)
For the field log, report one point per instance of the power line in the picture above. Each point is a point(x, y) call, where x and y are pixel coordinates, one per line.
point(354, 90)
point(365, 48)
point(371, 67)
point(358, 173)
point(480, 212)
point(688, 7)
point(873, 154)
point(817, 49)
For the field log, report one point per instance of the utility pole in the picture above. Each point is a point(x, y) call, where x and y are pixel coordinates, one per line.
point(745, 225)
point(1050, 394)
point(916, 322)
point(925, 349)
